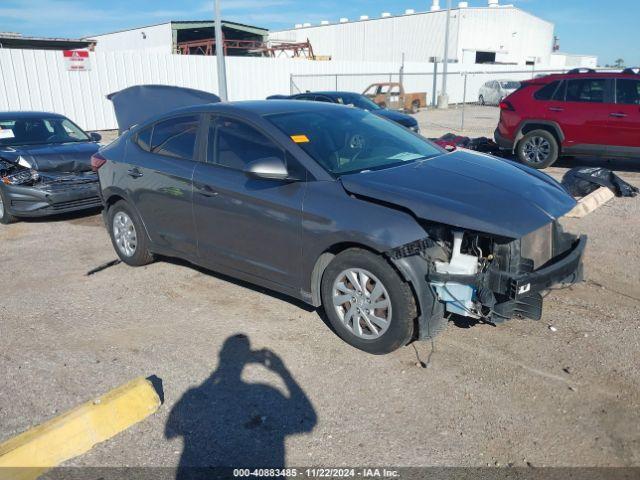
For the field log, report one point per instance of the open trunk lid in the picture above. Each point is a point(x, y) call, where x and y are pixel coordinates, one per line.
point(136, 104)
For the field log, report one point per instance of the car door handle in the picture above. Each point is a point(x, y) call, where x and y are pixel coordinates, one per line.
point(134, 173)
point(556, 109)
point(207, 191)
point(618, 115)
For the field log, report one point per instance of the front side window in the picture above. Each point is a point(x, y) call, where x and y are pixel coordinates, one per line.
point(628, 91)
point(591, 90)
point(349, 140)
point(176, 137)
point(238, 144)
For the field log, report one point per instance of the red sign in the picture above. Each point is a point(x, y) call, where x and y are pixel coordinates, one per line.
point(77, 60)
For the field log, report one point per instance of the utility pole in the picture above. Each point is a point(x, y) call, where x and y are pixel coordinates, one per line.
point(443, 99)
point(222, 71)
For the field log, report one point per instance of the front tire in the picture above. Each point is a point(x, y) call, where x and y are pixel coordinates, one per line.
point(481, 100)
point(415, 107)
point(5, 217)
point(367, 302)
point(128, 236)
point(538, 149)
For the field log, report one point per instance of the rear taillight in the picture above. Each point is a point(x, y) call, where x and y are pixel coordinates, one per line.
point(505, 105)
point(97, 161)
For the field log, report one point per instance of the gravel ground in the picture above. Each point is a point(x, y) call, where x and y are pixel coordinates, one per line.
point(520, 393)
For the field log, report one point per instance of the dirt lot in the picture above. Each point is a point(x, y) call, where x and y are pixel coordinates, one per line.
point(520, 393)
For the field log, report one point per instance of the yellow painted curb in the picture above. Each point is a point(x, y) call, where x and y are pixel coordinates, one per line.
point(31, 453)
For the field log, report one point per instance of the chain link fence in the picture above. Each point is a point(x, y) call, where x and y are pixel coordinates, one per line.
point(474, 96)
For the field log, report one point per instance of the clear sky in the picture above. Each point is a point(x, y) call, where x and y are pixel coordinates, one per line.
point(606, 28)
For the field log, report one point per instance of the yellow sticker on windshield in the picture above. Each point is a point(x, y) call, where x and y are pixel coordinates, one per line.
point(300, 138)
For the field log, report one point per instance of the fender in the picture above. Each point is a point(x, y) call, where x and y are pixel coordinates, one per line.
point(547, 123)
point(108, 194)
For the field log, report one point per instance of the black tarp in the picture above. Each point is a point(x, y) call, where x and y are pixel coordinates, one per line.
point(581, 181)
point(136, 104)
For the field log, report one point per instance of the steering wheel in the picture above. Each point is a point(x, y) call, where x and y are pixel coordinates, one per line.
point(55, 138)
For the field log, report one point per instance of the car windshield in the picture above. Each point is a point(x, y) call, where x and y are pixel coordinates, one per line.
point(511, 85)
point(40, 131)
point(358, 101)
point(350, 140)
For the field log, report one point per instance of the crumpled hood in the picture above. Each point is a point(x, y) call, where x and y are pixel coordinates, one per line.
point(401, 118)
point(65, 157)
point(468, 190)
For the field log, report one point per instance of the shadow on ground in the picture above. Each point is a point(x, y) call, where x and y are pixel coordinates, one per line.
point(227, 422)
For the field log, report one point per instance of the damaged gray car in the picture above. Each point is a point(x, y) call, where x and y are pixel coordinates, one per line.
point(341, 209)
point(45, 166)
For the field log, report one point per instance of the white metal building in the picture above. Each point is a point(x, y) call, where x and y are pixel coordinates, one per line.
point(166, 37)
point(490, 33)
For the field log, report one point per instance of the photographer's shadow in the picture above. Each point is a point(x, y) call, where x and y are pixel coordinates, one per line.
point(226, 422)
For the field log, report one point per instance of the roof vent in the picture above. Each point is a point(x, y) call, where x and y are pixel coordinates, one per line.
point(324, 22)
point(298, 25)
point(436, 6)
point(463, 5)
point(344, 20)
point(306, 24)
point(385, 15)
point(409, 11)
point(494, 3)
point(364, 17)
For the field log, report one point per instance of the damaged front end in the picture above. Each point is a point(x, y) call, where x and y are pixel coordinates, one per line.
point(33, 193)
point(491, 278)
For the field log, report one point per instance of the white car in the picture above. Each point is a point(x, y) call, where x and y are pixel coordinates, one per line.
point(494, 91)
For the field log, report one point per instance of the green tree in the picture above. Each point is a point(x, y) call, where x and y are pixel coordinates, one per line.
point(619, 63)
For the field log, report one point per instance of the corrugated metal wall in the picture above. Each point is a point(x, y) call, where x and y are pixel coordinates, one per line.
point(39, 80)
point(420, 36)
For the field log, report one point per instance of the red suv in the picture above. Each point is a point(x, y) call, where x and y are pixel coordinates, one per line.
point(576, 114)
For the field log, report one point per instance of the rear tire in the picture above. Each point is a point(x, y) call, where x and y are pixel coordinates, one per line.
point(375, 312)
point(5, 217)
point(538, 149)
point(128, 235)
point(481, 100)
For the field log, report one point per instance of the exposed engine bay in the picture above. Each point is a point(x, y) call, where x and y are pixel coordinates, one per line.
point(495, 279)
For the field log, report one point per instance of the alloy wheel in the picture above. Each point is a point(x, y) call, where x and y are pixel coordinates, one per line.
point(124, 233)
point(362, 303)
point(537, 150)
point(1, 207)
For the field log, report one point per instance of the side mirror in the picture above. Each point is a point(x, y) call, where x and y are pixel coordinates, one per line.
point(269, 168)
point(95, 137)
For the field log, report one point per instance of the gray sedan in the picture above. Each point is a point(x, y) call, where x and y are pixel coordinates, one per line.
point(342, 209)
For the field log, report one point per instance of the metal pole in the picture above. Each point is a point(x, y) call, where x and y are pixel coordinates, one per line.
point(336, 82)
point(222, 71)
point(434, 97)
point(464, 102)
point(443, 101)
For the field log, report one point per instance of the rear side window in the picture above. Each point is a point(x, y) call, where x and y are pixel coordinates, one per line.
point(176, 137)
point(144, 139)
point(591, 90)
point(238, 144)
point(546, 92)
point(628, 91)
